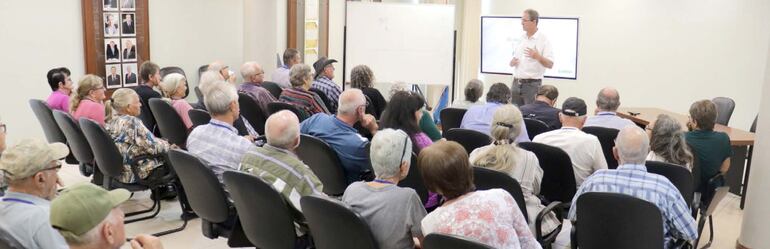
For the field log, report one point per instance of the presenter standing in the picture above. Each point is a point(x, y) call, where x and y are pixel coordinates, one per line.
point(530, 58)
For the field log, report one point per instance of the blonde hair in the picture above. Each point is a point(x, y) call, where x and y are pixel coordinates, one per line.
point(120, 99)
point(170, 83)
point(506, 126)
point(85, 85)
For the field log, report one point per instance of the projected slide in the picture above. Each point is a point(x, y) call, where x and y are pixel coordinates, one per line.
point(500, 34)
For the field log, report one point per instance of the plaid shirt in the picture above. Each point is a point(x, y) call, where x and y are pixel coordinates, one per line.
point(634, 180)
point(219, 146)
point(330, 89)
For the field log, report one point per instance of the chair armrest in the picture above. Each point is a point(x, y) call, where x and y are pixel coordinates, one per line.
point(683, 244)
point(133, 163)
point(558, 209)
point(573, 236)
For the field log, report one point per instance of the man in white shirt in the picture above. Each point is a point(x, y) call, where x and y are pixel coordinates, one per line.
point(584, 149)
point(281, 75)
point(607, 103)
point(530, 58)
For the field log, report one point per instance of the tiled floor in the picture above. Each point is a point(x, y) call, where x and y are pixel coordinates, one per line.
point(727, 220)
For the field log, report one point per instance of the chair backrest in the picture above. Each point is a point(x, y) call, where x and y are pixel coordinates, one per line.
point(75, 138)
point(278, 106)
point(334, 226)
point(169, 122)
point(324, 162)
point(677, 175)
point(725, 107)
point(604, 221)
point(325, 99)
point(485, 179)
point(199, 117)
point(45, 116)
point(251, 111)
point(607, 140)
point(535, 127)
point(169, 70)
point(106, 153)
point(202, 69)
point(451, 118)
point(199, 94)
point(204, 192)
point(754, 124)
point(441, 241)
point(414, 180)
point(558, 182)
point(469, 139)
point(273, 88)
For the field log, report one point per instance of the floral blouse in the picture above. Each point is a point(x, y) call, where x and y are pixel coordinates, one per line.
point(133, 140)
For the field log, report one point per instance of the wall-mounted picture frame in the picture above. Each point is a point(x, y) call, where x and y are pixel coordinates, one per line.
point(130, 77)
point(128, 49)
point(111, 24)
point(112, 50)
point(113, 78)
point(128, 24)
point(127, 5)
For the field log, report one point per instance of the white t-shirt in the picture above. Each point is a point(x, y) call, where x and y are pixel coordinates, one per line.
point(584, 150)
point(529, 68)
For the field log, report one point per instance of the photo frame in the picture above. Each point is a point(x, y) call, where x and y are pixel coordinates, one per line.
point(113, 78)
point(130, 77)
point(128, 49)
point(127, 24)
point(111, 24)
point(127, 5)
point(110, 5)
point(112, 52)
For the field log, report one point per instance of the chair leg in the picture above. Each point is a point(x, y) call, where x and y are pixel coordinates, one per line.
point(154, 205)
point(701, 224)
point(711, 233)
point(178, 229)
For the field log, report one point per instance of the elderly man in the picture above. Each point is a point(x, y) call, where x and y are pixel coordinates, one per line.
point(209, 80)
point(224, 70)
point(632, 178)
point(338, 131)
point(543, 108)
point(31, 168)
point(479, 118)
point(291, 57)
point(218, 143)
point(253, 76)
point(89, 217)
point(584, 149)
point(324, 73)
point(530, 58)
point(150, 74)
point(607, 103)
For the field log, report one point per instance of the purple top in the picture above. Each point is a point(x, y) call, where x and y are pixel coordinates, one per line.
point(58, 100)
point(421, 140)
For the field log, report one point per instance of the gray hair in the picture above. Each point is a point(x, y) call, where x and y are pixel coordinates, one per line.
point(299, 74)
point(170, 83)
point(218, 97)
point(473, 90)
point(668, 141)
point(533, 15)
point(282, 129)
point(216, 66)
point(349, 100)
point(506, 126)
point(397, 87)
point(249, 69)
point(208, 79)
point(608, 99)
point(361, 76)
point(389, 149)
point(632, 145)
point(499, 93)
point(120, 99)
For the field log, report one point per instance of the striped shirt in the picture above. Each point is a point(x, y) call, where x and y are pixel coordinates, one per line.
point(307, 102)
point(634, 180)
point(330, 89)
point(219, 146)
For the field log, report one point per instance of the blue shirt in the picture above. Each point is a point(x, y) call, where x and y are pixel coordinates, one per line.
point(634, 180)
point(25, 218)
point(479, 118)
point(344, 139)
point(608, 120)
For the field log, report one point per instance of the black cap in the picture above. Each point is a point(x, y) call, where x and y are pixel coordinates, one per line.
point(320, 64)
point(574, 107)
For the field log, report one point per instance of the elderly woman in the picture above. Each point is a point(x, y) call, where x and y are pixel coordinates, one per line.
point(133, 138)
point(61, 87)
point(87, 100)
point(307, 102)
point(479, 118)
point(173, 87)
point(405, 116)
point(710, 148)
point(504, 156)
point(667, 143)
point(362, 77)
point(473, 91)
point(392, 212)
point(490, 216)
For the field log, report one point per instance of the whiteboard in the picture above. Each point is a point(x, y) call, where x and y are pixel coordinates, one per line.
point(412, 43)
point(500, 34)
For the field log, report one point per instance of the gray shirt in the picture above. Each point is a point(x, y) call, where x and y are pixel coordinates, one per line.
point(25, 218)
point(393, 213)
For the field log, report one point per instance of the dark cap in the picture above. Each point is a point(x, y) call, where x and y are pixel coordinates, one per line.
point(320, 64)
point(574, 107)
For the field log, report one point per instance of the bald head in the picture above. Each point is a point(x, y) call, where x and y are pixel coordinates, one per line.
point(252, 72)
point(350, 100)
point(216, 66)
point(282, 130)
point(632, 145)
point(608, 99)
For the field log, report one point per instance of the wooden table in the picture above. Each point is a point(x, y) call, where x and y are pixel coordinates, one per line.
point(739, 139)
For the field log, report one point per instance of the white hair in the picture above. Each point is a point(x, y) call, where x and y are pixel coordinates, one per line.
point(349, 100)
point(208, 78)
point(389, 149)
point(249, 69)
point(170, 83)
point(632, 145)
point(218, 97)
point(282, 129)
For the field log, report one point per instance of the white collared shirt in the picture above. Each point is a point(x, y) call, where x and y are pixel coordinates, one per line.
point(583, 149)
point(608, 120)
point(529, 68)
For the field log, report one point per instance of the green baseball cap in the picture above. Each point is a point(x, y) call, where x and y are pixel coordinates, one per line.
point(30, 156)
point(83, 206)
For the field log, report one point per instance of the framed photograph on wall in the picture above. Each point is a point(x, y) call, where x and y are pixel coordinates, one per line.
point(130, 78)
point(111, 50)
point(128, 46)
point(113, 79)
point(127, 5)
point(128, 25)
point(110, 5)
point(111, 25)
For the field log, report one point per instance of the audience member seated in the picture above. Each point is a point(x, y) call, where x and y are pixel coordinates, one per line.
point(307, 102)
point(90, 217)
point(87, 101)
point(277, 164)
point(208, 80)
point(427, 125)
point(362, 77)
point(291, 57)
point(479, 118)
point(253, 76)
point(667, 143)
point(173, 87)
point(473, 92)
point(631, 178)
point(490, 216)
point(503, 155)
point(607, 103)
point(218, 143)
point(392, 212)
point(134, 139)
point(543, 108)
point(61, 87)
point(584, 149)
point(150, 74)
point(711, 149)
point(404, 116)
point(31, 168)
point(223, 70)
point(324, 74)
point(338, 132)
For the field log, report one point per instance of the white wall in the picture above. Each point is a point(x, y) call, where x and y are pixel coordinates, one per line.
point(264, 32)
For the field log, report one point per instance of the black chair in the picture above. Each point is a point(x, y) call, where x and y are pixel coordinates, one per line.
point(469, 139)
point(442, 241)
point(199, 95)
point(535, 127)
point(9, 242)
point(413, 180)
point(485, 179)
point(324, 162)
point(725, 107)
point(334, 226)
point(198, 117)
point(709, 206)
point(451, 118)
point(677, 175)
point(273, 88)
point(325, 99)
point(51, 130)
point(263, 213)
point(604, 219)
point(251, 111)
point(558, 182)
point(169, 70)
point(77, 142)
point(278, 106)
point(607, 140)
point(169, 122)
point(201, 70)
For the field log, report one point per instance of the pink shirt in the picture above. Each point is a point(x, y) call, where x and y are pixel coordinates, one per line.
point(90, 110)
point(58, 100)
point(182, 107)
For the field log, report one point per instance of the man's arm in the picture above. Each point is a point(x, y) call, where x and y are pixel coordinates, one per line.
point(534, 54)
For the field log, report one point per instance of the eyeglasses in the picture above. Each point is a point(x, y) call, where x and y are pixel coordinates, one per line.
point(3, 128)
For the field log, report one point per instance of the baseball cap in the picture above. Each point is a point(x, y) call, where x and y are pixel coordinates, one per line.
point(574, 107)
point(83, 206)
point(30, 156)
point(320, 64)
